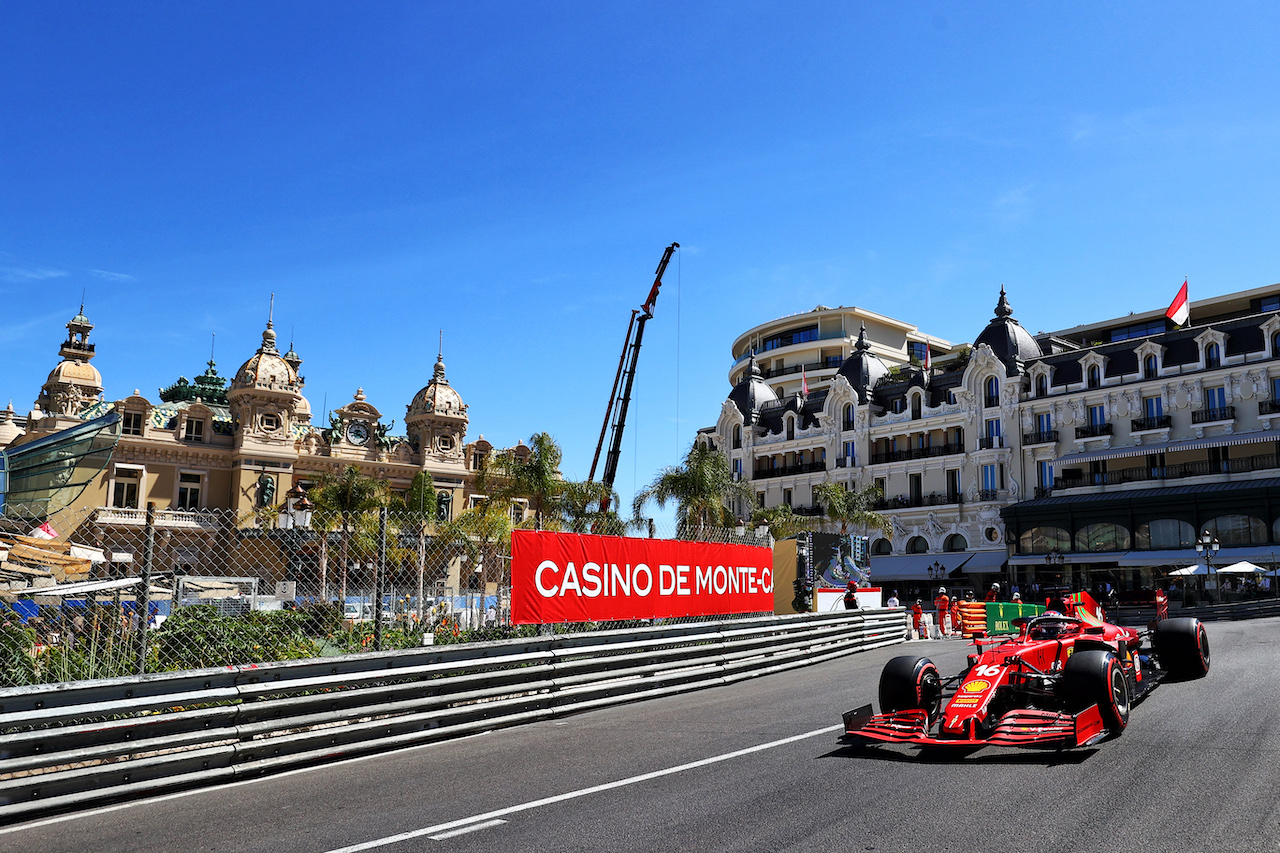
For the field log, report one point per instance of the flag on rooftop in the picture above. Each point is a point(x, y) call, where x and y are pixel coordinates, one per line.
point(1180, 309)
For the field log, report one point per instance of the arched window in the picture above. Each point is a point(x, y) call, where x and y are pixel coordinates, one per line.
point(917, 545)
point(791, 427)
point(1042, 385)
point(737, 437)
point(1095, 376)
point(881, 547)
point(1149, 367)
point(1232, 530)
point(1042, 540)
point(1275, 346)
point(1102, 536)
point(955, 542)
point(915, 407)
point(991, 396)
point(1170, 533)
point(848, 416)
point(1212, 356)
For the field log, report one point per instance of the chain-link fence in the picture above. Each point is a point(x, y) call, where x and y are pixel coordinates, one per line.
point(106, 592)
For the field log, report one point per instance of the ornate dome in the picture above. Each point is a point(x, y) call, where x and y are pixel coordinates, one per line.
point(8, 429)
point(267, 368)
point(863, 368)
point(752, 393)
point(1009, 342)
point(438, 398)
point(75, 373)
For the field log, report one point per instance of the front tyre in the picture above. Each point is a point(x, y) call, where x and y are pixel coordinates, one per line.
point(1182, 645)
point(1096, 677)
point(908, 683)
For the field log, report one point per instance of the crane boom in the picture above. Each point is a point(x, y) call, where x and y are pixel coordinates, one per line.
point(617, 410)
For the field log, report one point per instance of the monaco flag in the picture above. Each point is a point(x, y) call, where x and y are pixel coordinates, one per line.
point(44, 531)
point(1180, 309)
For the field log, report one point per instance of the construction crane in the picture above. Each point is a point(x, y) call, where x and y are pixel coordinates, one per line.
point(626, 375)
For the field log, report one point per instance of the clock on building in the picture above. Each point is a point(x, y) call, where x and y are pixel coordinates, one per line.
point(358, 432)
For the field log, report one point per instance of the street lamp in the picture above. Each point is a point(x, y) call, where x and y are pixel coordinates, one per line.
point(1207, 547)
point(296, 518)
point(937, 570)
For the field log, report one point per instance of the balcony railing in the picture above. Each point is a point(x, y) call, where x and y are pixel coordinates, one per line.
point(789, 470)
point(1180, 471)
point(990, 442)
point(169, 519)
point(990, 402)
point(1044, 491)
point(1157, 422)
point(917, 453)
point(847, 425)
point(1093, 430)
point(1045, 437)
point(988, 494)
point(1269, 407)
point(828, 363)
point(1204, 416)
point(907, 501)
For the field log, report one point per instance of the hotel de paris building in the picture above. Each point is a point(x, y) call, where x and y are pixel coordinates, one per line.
point(1092, 454)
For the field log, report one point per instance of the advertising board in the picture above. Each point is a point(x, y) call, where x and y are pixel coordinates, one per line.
point(573, 577)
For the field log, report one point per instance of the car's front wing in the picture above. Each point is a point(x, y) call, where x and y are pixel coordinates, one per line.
point(1021, 727)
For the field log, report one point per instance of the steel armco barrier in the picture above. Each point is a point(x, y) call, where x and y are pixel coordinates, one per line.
point(70, 745)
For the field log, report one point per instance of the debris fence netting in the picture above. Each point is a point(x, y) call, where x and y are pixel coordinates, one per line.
point(100, 593)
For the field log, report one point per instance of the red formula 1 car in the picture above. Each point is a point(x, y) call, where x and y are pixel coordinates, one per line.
point(1061, 681)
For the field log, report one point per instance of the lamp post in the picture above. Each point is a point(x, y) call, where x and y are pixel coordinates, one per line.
point(296, 519)
point(1053, 562)
point(1207, 547)
point(937, 571)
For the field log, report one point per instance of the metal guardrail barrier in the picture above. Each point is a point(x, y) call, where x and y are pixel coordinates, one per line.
point(74, 744)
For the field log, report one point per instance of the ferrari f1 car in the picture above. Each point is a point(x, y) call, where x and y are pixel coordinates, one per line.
point(1062, 681)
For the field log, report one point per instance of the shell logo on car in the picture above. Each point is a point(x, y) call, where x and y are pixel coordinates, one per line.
point(976, 686)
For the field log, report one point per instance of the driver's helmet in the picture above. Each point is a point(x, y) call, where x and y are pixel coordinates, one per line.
point(1049, 626)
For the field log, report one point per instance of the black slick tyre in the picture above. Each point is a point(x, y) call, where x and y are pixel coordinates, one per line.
point(1182, 646)
point(1096, 677)
point(909, 682)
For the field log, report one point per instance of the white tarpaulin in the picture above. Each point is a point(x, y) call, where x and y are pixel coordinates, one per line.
point(1197, 569)
point(1244, 567)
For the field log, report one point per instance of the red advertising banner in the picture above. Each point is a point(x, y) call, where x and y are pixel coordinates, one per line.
point(572, 577)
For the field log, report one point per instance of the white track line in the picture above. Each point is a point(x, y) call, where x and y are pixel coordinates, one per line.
point(464, 830)
point(441, 828)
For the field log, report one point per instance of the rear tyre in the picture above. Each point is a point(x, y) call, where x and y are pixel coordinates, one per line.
point(1095, 677)
point(910, 682)
point(1182, 646)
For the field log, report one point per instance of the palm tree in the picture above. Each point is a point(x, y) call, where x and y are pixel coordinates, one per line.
point(348, 495)
point(417, 508)
point(579, 504)
point(847, 506)
point(481, 536)
point(536, 476)
point(701, 487)
point(781, 521)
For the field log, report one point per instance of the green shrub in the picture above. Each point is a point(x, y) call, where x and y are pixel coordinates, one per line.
point(199, 637)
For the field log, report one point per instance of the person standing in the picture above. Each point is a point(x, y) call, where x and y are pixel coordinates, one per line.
point(893, 600)
point(993, 594)
point(943, 605)
point(917, 620)
point(956, 624)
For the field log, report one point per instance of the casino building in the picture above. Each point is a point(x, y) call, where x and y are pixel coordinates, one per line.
point(207, 449)
point(1092, 454)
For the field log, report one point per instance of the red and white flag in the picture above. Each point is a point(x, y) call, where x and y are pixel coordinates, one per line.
point(926, 359)
point(804, 383)
point(1180, 309)
point(44, 531)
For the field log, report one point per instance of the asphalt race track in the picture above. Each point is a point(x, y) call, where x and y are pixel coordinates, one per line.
point(755, 766)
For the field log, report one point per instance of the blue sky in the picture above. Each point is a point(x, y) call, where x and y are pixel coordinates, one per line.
point(511, 172)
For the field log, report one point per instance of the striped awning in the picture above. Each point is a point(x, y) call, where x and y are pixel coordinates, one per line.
point(1228, 440)
point(1113, 453)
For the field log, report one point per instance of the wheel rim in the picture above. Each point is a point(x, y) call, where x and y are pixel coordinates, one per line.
point(930, 692)
point(1119, 693)
point(1203, 637)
